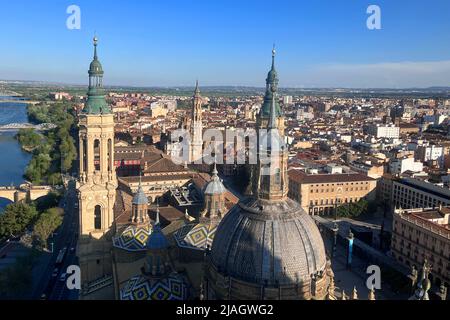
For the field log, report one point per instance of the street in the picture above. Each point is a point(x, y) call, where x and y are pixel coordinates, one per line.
point(50, 286)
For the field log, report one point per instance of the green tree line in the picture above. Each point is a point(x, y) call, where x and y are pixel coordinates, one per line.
point(56, 151)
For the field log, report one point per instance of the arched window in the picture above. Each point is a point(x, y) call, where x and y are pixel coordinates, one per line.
point(98, 218)
point(110, 164)
point(97, 155)
point(278, 176)
point(84, 155)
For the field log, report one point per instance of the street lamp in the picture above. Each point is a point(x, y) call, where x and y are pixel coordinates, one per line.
point(336, 200)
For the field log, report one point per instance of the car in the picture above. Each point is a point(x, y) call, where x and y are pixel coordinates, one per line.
point(72, 250)
point(43, 296)
point(63, 276)
point(55, 273)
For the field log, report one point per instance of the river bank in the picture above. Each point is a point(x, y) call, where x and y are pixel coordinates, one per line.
point(13, 160)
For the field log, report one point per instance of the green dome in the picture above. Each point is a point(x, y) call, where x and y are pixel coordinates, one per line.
point(96, 103)
point(95, 67)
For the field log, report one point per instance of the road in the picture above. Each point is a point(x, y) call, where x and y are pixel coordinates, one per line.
point(51, 286)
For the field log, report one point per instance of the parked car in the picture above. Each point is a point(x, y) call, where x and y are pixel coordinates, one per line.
point(55, 273)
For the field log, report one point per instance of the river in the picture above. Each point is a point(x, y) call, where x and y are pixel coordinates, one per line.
point(13, 160)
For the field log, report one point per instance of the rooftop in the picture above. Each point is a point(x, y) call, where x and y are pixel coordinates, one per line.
point(302, 177)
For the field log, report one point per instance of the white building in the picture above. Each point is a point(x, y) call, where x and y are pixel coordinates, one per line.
point(399, 166)
point(302, 115)
point(287, 100)
point(384, 131)
point(430, 153)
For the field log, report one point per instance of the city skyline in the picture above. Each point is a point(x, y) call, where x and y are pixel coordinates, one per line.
point(171, 45)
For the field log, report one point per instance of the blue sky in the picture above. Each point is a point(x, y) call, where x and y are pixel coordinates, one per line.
point(320, 43)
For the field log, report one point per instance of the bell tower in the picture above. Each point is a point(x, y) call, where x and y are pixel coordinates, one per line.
point(196, 129)
point(97, 179)
point(269, 175)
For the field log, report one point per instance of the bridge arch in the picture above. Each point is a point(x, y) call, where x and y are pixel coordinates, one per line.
point(4, 202)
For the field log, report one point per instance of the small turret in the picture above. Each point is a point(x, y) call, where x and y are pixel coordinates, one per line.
point(140, 205)
point(331, 288)
point(343, 295)
point(214, 192)
point(354, 294)
point(371, 295)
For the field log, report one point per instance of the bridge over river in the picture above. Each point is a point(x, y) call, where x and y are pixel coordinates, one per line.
point(24, 192)
point(17, 126)
point(19, 101)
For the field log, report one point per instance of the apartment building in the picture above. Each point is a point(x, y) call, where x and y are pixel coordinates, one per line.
point(409, 193)
point(383, 131)
point(318, 193)
point(419, 234)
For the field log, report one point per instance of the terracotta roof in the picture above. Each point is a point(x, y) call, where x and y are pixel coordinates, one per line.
point(122, 207)
point(167, 214)
point(164, 177)
point(302, 177)
point(162, 164)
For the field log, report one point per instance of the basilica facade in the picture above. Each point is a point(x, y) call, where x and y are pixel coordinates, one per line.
point(192, 238)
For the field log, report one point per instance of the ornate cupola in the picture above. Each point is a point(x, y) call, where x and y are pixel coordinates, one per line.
point(214, 195)
point(96, 103)
point(140, 205)
point(157, 262)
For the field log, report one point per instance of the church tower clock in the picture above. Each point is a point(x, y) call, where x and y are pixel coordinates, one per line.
point(97, 179)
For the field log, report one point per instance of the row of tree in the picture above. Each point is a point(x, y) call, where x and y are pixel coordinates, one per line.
point(356, 209)
point(29, 138)
point(56, 151)
point(43, 217)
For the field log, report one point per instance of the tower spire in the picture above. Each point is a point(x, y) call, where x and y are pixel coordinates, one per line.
point(197, 90)
point(95, 41)
point(271, 88)
point(273, 57)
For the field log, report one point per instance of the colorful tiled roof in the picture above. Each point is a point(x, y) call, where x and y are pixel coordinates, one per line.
point(172, 287)
point(195, 236)
point(133, 238)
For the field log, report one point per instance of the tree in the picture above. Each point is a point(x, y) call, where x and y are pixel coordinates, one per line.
point(16, 218)
point(16, 280)
point(28, 138)
point(354, 209)
point(54, 179)
point(51, 200)
point(47, 223)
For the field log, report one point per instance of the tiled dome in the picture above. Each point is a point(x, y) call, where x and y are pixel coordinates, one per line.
point(268, 242)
